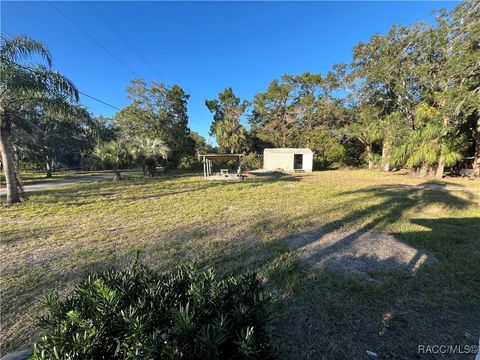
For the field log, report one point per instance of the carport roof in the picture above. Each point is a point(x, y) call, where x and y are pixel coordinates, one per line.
point(221, 157)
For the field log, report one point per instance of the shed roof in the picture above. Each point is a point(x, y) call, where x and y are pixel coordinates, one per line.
point(289, 150)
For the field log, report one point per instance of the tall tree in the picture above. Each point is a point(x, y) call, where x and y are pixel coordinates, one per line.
point(201, 145)
point(226, 126)
point(274, 113)
point(291, 111)
point(382, 68)
point(231, 135)
point(367, 130)
point(463, 69)
point(228, 105)
point(46, 137)
point(22, 84)
point(158, 111)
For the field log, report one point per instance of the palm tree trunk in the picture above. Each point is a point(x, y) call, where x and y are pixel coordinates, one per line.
point(166, 165)
point(441, 160)
point(440, 168)
point(8, 162)
point(476, 161)
point(116, 174)
point(369, 157)
point(426, 169)
point(386, 156)
point(151, 167)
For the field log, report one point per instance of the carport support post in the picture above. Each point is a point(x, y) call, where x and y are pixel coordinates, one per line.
point(239, 171)
point(204, 168)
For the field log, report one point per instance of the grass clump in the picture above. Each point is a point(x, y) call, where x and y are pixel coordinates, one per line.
point(140, 314)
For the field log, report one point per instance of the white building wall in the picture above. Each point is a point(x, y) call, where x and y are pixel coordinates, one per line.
point(283, 158)
point(308, 161)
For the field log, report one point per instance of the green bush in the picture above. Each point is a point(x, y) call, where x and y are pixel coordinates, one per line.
point(92, 162)
point(326, 148)
point(252, 161)
point(354, 149)
point(140, 314)
point(190, 162)
point(28, 165)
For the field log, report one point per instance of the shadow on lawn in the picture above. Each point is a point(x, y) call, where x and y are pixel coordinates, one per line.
point(396, 202)
point(89, 193)
point(334, 314)
point(325, 314)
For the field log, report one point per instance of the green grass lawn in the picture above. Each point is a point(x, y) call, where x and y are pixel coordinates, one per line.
point(56, 237)
point(36, 177)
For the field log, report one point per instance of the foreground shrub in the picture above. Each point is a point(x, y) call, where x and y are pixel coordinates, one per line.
point(139, 314)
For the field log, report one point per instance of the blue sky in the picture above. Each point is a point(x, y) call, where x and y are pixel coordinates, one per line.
point(201, 46)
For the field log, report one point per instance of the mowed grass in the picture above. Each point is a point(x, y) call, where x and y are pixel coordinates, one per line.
point(58, 236)
point(37, 177)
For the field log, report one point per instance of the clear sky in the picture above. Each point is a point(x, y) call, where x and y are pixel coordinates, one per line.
point(201, 46)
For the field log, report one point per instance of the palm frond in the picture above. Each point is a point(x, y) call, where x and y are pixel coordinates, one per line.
point(35, 84)
point(22, 47)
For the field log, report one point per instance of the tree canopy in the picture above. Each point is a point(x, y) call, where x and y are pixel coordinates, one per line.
point(409, 98)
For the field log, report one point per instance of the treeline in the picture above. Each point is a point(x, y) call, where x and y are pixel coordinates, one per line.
point(42, 124)
point(408, 99)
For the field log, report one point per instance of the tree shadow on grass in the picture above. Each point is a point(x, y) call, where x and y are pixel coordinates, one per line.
point(336, 315)
point(80, 194)
point(348, 295)
point(395, 203)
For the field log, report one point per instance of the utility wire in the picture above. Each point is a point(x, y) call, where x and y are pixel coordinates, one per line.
point(80, 92)
point(114, 28)
point(109, 52)
point(92, 39)
point(129, 43)
point(100, 101)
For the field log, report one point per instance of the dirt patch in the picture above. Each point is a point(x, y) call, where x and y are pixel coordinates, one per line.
point(359, 253)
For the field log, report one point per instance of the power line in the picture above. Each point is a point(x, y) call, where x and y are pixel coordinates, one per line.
point(93, 39)
point(126, 40)
point(100, 101)
point(119, 33)
point(110, 53)
point(80, 92)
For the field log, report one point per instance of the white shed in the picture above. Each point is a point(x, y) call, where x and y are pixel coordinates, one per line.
point(288, 160)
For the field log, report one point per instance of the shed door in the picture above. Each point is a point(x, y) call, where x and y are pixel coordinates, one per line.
point(298, 161)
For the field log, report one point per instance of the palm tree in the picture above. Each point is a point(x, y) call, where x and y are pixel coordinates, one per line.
point(21, 84)
point(115, 154)
point(431, 146)
point(230, 135)
point(149, 152)
point(367, 130)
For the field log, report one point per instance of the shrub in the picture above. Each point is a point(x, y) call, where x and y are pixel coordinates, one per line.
point(190, 162)
point(140, 314)
point(92, 162)
point(327, 149)
point(253, 161)
point(354, 149)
